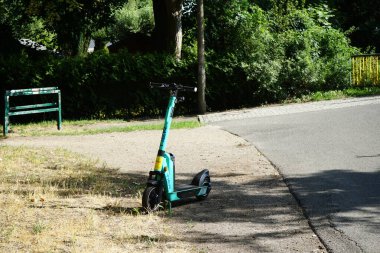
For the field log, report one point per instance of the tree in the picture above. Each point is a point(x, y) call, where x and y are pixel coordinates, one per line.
point(73, 20)
point(135, 16)
point(365, 17)
point(166, 35)
point(362, 18)
point(201, 59)
point(11, 16)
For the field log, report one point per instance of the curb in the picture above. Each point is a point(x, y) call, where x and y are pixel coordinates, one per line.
point(276, 110)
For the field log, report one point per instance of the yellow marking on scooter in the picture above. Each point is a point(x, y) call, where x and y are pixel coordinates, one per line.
point(158, 164)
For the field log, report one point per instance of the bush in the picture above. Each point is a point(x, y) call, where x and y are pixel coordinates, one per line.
point(135, 16)
point(261, 56)
point(317, 56)
point(101, 85)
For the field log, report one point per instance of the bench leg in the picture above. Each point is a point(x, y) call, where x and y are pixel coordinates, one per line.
point(6, 115)
point(6, 125)
point(59, 120)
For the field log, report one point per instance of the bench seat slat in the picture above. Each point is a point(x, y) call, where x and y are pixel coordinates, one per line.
point(33, 111)
point(22, 107)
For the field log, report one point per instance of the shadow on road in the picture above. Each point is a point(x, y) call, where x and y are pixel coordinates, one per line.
point(341, 192)
point(243, 212)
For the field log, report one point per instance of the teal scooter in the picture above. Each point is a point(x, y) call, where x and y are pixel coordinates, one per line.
point(161, 185)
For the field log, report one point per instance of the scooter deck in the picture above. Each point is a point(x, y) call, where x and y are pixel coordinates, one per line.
point(185, 187)
point(186, 190)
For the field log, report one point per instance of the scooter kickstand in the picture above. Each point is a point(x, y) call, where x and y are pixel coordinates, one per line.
point(169, 206)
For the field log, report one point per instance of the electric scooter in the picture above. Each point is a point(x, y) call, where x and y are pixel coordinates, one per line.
point(161, 185)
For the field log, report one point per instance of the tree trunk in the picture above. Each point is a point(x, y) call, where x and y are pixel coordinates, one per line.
point(82, 44)
point(73, 43)
point(167, 33)
point(100, 44)
point(174, 9)
point(201, 59)
point(8, 44)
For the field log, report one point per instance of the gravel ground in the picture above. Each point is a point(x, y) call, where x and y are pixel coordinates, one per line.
point(249, 208)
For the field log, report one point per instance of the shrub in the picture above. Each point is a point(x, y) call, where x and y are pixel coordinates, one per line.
point(317, 56)
point(262, 56)
point(100, 85)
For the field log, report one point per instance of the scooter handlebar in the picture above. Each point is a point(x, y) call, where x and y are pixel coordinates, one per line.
point(172, 86)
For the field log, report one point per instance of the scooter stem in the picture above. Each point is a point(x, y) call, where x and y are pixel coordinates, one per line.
point(165, 131)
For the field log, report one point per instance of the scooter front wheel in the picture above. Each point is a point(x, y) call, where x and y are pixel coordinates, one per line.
point(151, 199)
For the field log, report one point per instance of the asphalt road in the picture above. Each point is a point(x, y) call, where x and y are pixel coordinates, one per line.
point(330, 160)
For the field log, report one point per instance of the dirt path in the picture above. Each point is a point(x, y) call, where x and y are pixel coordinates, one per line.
point(249, 208)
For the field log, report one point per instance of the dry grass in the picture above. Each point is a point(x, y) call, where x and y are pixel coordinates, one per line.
point(57, 201)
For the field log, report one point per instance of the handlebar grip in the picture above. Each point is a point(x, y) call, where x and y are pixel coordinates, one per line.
point(159, 85)
point(188, 88)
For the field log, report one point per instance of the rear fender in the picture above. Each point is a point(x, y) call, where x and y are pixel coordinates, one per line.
point(200, 177)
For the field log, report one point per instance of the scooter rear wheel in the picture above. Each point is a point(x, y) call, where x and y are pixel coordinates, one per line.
point(206, 182)
point(151, 199)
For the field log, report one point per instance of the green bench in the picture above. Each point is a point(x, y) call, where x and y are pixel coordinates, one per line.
point(34, 108)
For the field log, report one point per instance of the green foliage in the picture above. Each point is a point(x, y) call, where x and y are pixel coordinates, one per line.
point(11, 12)
point(36, 31)
point(73, 21)
point(102, 85)
point(265, 56)
point(362, 17)
point(136, 16)
point(284, 7)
